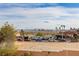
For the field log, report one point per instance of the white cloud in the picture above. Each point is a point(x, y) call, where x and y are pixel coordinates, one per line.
point(34, 18)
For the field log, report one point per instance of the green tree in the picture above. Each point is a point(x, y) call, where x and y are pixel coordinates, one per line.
point(8, 34)
point(39, 34)
point(75, 38)
point(7, 40)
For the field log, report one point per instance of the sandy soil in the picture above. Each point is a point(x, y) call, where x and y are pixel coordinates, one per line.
point(47, 46)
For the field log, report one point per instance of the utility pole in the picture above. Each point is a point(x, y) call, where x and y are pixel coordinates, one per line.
point(62, 29)
point(22, 34)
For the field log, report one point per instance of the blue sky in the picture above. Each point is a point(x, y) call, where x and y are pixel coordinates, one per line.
point(40, 15)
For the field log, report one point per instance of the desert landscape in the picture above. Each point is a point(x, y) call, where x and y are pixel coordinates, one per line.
point(39, 29)
point(49, 48)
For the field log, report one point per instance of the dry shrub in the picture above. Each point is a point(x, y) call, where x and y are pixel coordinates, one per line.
point(8, 52)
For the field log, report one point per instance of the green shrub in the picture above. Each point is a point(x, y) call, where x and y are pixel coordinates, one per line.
point(39, 34)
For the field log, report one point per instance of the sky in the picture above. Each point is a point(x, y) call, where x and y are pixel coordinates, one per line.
point(40, 15)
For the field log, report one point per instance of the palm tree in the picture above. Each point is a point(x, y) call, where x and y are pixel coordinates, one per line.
point(63, 27)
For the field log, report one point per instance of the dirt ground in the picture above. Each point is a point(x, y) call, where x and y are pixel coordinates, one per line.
point(47, 53)
point(50, 48)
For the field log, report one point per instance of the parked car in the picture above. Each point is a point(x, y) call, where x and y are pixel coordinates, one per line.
point(26, 38)
point(37, 38)
point(19, 38)
point(51, 39)
point(63, 38)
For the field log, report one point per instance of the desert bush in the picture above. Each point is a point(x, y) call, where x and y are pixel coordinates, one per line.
point(7, 40)
point(8, 51)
